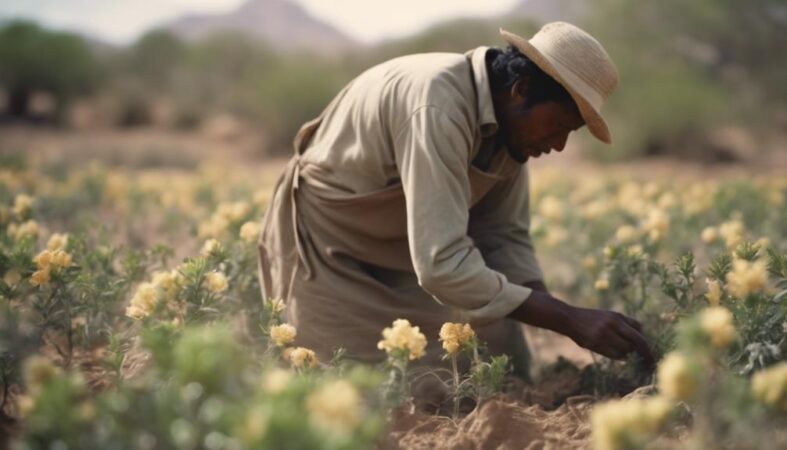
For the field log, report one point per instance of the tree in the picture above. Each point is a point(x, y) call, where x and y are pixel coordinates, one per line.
point(34, 59)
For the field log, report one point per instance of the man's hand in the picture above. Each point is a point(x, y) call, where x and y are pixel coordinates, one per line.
point(606, 332)
point(609, 333)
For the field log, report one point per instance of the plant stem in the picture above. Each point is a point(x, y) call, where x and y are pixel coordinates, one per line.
point(456, 386)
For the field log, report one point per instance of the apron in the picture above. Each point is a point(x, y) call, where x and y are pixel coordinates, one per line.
point(342, 265)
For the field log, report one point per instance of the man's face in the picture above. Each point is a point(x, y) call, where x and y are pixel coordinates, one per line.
point(538, 129)
point(541, 128)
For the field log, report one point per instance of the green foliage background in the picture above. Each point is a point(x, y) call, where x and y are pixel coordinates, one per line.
point(687, 68)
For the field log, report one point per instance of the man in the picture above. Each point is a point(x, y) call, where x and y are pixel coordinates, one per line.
point(408, 198)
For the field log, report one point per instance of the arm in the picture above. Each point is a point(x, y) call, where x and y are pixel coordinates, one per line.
point(500, 228)
point(606, 332)
point(432, 153)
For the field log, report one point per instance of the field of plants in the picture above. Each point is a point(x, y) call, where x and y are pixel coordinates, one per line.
point(131, 318)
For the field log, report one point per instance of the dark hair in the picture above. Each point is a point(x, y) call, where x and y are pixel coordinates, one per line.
point(506, 66)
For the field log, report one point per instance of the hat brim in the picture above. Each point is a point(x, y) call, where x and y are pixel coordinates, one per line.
point(593, 120)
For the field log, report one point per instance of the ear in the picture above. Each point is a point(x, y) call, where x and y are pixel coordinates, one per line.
point(520, 89)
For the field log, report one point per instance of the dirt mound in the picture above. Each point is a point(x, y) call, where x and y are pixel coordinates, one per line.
point(499, 423)
point(552, 414)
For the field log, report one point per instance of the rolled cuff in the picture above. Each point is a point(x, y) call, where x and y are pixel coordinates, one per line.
point(506, 301)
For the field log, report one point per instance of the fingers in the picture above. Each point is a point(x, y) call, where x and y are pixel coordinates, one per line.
point(636, 341)
point(633, 323)
point(616, 347)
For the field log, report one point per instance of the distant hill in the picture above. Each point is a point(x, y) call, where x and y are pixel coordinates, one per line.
point(282, 24)
point(543, 11)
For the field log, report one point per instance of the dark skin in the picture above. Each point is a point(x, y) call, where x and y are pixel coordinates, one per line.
point(532, 132)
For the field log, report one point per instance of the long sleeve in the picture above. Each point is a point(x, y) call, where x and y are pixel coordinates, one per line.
point(432, 152)
point(499, 226)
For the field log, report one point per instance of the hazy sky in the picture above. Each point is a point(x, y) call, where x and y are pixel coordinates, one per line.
point(120, 21)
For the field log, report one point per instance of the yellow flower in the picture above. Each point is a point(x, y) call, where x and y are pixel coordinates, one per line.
point(335, 407)
point(26, 229)
point(43, 260)
point(667, 200)
point(57, 241)
point(40, 277)
point(12, 277)
point(747, 277)
point(277, 305)
point(250, 231)
point(732, 233)
point(620, 424)
point(209, 247)
point(762, 243)
point(166, 279)
point(26, 404)
point(143, 302)
point(60, 259)
point(216, 282)
point(717, 323)
point(709, 234)
point(589, 263)
point(22, 204)
point(455, 335)
point(626, 233)
point(276, 380)
point(770, 386)
point(232, 212)
point(403, 336)
point(213, 227)
point(602, 284)
point(656, 224)
point(301, 357)
point(283, 334)
point(635, 250)
point(37, 371)
point(256, 424)
point(714, 292)
point(551, 208)
point(676, 379)
point(555, 236)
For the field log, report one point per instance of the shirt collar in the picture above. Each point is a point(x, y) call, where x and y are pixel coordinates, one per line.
point(486, 109)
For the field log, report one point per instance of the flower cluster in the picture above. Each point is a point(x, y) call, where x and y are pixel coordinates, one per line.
point(143, 302)
point(770, 386)
point(455, 335)
point(216, 282)
point(677, 378)
point(225, 215)
point(714, 292)
point(249, 231)
point(402, 336)
point(301, 358)
point(747, 277)
point(20, 231)
point(717, 323)
point(283, 334)
point(47, 263)
point(335, 407)
point(620, 424)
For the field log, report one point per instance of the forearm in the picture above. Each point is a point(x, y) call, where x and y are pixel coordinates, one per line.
point(537, 285)
point(542, 310)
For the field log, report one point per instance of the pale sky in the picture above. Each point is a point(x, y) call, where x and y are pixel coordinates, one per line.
point(121, 21)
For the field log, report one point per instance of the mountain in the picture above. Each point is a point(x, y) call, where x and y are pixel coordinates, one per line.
point(282, 24)
point(543, 11)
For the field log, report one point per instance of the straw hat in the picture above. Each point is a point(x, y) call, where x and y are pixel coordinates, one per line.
point(579, 63)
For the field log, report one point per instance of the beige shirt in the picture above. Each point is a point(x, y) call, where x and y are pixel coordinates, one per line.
point(421, 120)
